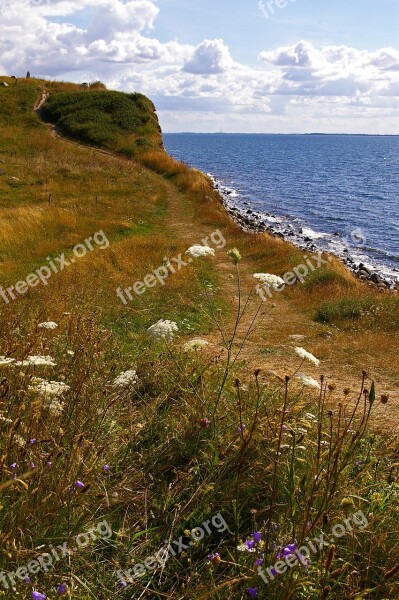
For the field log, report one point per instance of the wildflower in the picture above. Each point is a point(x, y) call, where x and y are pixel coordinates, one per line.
point(249, 544)
point(234, 255)
point(214, 558)
point(47, 325)
point(306, 380)
point(36, 361)
point(259, 562)
point(195, 344)
point(26, 580)
point(252, 592)
point(62, 589)
point(14, 476)
point(49, 388)
point(6, 361)
point(70, 353)
point(310, 416)
point(31, 465)
point(163, 329)
point(269, 279)
point(79, 484)
point(241, 428)
point(257, 537)
point(18, 439)
point(38, 596)
point(32, 441)
point(55, 408)
point(204, 423)
point(125, 379)
point(307, 355)
point(198, 250)
point(106, 468)
point(13, 466)
point(283, 427)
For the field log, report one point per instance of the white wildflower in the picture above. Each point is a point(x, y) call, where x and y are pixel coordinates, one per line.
point(243, 548)
point(19, 440)
point(36, 361)
point(323, 443)
point(49, 388)
point(285, 446)
point(47, 325)
point(300, 447)
point(163, 328)
point(6, 361)
point(310, 381)
point(70, 353)
point(311, 416)
point(273, 281)
point(55, 408)
point(5, 419)
point(302, 431)
point(125, 379)
point(195, 344)
point(196, 251)
point(304, 354)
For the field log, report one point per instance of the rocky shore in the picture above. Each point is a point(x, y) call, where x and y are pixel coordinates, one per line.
point(260, 222)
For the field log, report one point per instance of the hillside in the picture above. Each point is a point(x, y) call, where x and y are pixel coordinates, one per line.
point(103, 421)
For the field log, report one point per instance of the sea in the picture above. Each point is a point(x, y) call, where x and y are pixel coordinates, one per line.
point(338, 193)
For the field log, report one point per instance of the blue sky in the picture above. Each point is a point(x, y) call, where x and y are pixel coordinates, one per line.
point(369, 24)
point(278, 66)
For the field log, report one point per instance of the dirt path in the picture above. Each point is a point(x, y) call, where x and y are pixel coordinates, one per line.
point(271, 346)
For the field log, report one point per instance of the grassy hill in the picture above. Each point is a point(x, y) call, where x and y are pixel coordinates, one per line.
point(107, 427)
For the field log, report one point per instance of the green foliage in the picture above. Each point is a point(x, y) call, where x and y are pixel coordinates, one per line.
point(343, 309)
point(120, 122)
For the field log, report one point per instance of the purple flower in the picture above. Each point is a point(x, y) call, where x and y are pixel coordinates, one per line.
point(26, 580)
point(79, 484)
point(14, 476)
point(257, 537)
point(32, 441)
point(241, 427)
point(273, 572)
point(252, 592)
point(259, 562)
point(62, 589)
point(49, 463)
point(309, 525)
point(38, 596)
point(279, 556)
point(214, 558)
point(283, 427)
point(13, 466)
point(106, 468)
point(358, 463)
point(123, 583)
point(249, 544)
point(291, 547)
point(31, 465)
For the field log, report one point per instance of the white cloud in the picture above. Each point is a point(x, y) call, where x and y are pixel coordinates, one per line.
point(210, 57)
point(113, 40)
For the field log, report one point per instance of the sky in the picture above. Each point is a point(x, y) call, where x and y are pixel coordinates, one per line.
point(255, 66)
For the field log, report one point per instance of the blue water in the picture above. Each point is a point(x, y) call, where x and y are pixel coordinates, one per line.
point(326, 187)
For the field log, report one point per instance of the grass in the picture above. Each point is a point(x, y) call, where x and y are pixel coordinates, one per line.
point(176, 457)
point(113, 120)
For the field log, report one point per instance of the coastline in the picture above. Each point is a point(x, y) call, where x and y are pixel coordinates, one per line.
point(257, 222)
